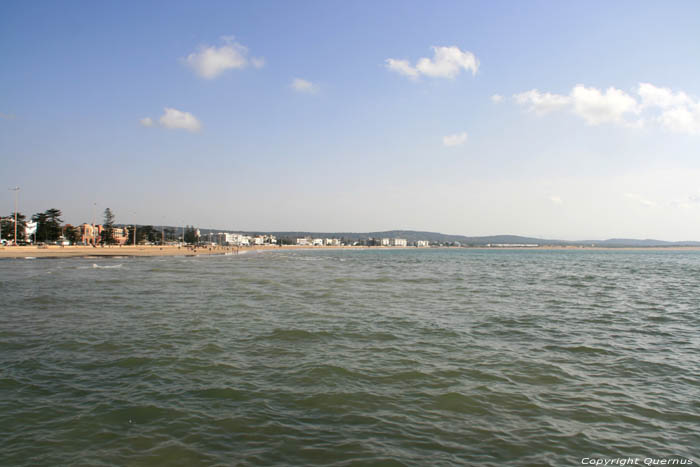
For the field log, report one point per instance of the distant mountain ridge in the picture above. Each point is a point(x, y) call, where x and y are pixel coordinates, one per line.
point(414, 235)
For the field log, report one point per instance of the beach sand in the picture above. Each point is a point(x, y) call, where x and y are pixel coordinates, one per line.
point(55, 251)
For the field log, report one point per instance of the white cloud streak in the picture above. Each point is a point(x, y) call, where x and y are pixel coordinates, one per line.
point(542, 103)
point(447, 62)
point(210, 61)
point(674, 111)
point(303, 86)
point(456, 139)
point(596, 107)
point(178, 120)
point(148, 121)
point(556, 200)
point(640, 199)
point(496, 98)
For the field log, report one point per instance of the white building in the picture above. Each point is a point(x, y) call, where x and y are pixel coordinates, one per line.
point(332, 242)
point(422, 243)
point(303, 241)
point(399, 242)
point(317, 242)
point(386, 242)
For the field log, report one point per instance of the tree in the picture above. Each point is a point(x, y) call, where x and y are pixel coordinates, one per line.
point(53, 224)
point(7, 224)
point(108, 227)
point(142, 233)
point(48, 225)
point(41, 226)
point(72, 234)
point(191, 235)
point(169, 233)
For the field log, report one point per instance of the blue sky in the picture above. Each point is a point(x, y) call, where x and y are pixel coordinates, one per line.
point(555, 119)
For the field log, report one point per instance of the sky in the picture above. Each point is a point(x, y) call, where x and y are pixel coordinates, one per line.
point(567, 120)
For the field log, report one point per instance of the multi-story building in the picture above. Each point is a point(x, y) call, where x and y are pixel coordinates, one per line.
point(422, 243)
point(399, 242)
point(90, 234)
point(120, 235)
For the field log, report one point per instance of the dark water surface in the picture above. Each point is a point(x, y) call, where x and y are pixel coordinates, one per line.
point(410, 357)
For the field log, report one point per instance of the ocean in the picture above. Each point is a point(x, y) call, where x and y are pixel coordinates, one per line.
point(334, 357)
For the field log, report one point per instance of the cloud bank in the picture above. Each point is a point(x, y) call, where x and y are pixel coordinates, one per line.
point(674, 111)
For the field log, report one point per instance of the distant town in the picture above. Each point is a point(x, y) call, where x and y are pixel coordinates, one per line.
point(48, 228)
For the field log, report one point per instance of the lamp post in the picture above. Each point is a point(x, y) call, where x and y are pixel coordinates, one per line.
point(16, 190)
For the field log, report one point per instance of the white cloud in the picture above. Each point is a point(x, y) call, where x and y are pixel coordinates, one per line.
point(679, 113)
point(653, 96)
point(301, 85)
point(210, 61)
point(674, 111)
point(542, 103)
point(148, 121)
point(175, 119)
point(556, 200)
point(402, 67)
point(689, 202)
point(456, 139)
point(596, 107)
point(681, 119)
point(496, 98)
point(640, 199)
point(447, 62)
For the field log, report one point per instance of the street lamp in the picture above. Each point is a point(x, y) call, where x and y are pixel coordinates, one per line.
point(16, 190)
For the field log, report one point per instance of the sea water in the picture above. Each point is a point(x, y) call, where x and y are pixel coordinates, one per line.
point(370, 357)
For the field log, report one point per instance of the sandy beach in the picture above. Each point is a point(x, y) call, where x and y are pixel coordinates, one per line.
point(55, 251)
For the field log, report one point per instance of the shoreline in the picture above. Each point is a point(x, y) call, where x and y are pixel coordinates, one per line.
point(55, 251)
point(80, 251)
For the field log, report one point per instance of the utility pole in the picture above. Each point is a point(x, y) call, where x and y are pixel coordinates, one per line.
point(16, 190)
